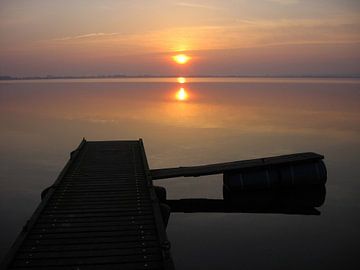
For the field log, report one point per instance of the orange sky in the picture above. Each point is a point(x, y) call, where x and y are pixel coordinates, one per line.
point(269, 37)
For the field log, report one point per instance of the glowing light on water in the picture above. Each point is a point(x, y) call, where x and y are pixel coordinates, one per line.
point(181, 80)
point(182, 95)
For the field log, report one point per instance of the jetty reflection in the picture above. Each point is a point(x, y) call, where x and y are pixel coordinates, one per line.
point(299, 201)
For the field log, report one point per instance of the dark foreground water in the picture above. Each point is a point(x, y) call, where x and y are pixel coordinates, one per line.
point(222, 120)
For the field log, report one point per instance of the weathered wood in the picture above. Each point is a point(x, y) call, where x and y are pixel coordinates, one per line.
point(219, 168)
point(101, 213)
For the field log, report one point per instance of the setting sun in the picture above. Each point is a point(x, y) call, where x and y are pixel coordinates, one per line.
point(181, 59)
point(181, 94)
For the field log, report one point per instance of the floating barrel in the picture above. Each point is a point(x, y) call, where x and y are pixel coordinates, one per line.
point(277, 176)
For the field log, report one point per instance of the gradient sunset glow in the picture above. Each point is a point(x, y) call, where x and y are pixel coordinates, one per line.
point(272, 37)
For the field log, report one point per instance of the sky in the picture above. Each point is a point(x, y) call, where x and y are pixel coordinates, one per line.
point(137, 37)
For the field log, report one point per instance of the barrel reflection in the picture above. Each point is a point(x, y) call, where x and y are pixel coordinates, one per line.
point(295, 201)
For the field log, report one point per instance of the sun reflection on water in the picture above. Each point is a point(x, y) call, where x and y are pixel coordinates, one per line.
point(181, 94)
point(181, 80)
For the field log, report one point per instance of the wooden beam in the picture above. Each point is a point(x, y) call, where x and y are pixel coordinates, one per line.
point(220, 168)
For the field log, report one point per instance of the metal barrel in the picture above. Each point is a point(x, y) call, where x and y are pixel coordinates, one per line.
point(277, 176)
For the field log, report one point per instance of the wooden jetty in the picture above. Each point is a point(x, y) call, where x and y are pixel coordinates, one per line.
point(101, 213)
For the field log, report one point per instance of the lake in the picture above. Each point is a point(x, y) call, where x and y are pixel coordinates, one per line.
point(219, 120)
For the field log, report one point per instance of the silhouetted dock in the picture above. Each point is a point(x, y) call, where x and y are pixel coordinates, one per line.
point(101, 213)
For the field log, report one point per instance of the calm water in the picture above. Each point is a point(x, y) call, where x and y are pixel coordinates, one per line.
point(223, 120)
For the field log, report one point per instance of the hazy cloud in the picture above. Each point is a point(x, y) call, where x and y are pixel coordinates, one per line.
point(241, 34)
point(86, 36)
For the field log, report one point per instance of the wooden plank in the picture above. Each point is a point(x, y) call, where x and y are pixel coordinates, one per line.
point(89, 253)
point(99, 203)
point(113, 266)
point(100, 197)
point(127, 196)
point(65, 262)
point(98, 246)
point(114, 191)
point(78, 235)
point(219, 168)
point(95, 212)
point(103, 227)
point(104, 223)
point(50, 219)
point(102, 206)
point(93, 240)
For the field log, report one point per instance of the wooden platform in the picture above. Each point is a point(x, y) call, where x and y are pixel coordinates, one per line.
point(101, 213)
point(218, 168)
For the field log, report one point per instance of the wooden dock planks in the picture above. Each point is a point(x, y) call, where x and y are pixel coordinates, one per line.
point(101, 213)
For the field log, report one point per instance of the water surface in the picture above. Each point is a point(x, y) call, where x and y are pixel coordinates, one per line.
point(224, 119)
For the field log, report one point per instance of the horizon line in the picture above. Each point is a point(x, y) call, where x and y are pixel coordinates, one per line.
point(50, 77)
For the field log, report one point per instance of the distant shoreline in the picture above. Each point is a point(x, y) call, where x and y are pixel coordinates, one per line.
point(9, 78)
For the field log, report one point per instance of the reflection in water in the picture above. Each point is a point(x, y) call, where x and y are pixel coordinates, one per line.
point(182, 95)
point(181, 80)
point(223, 120)
point(299, 201)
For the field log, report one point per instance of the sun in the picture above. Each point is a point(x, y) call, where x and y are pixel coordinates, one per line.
point(182, 95)
point(181, 58)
